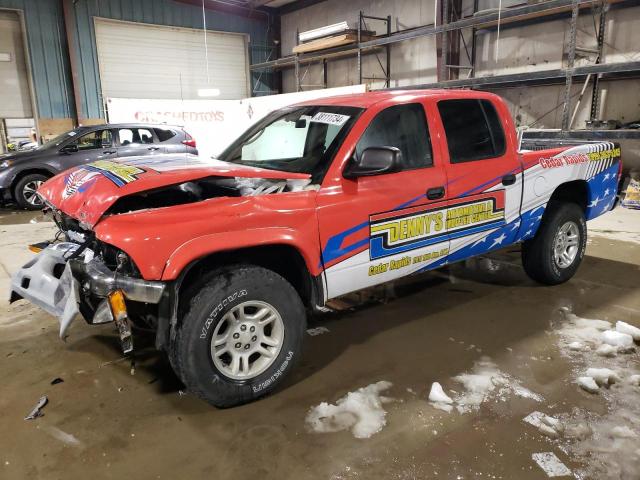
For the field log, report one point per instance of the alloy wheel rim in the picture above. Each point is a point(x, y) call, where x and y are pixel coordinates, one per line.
point(29, 192)
point(566, 244)
point(247, 340)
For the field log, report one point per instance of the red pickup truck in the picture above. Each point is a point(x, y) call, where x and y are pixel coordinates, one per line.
point(225, 258)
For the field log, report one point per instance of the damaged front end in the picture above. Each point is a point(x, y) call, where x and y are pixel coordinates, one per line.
point(91, 279)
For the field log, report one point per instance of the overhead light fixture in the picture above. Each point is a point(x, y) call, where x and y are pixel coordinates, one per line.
point(208, 92)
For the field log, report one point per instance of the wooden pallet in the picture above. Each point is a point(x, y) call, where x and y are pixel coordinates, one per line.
point(330, 42)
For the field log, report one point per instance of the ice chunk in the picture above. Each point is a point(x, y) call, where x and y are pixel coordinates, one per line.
point(588, 384)
point(617, 339)
point(603, 376)
point(361, 411)
point(624, 327)
point(623, 432)
point(548, 431)
point(551, 464)
point(606, 350)
point(534, 418)
point(549, 426)
point(576, 346)
point(437, 394)
point(634, 380)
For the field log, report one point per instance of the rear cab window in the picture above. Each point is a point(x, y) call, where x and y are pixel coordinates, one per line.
point(403, 127)
point(473, 130)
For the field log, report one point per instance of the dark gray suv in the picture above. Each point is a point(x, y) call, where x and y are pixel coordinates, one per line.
point(21, 173)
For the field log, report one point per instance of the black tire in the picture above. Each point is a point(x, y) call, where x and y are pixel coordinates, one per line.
point(22, 196)
point(232, 286)
point(538, 257)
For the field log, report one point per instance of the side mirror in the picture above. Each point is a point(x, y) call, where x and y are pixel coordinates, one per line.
point(71, 148)
point(374, 161)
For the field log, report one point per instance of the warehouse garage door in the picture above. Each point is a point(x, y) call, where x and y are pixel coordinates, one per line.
point(152, 61)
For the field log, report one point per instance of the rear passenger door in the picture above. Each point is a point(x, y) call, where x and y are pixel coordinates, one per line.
point(377, 228)
point(484, 175)
point(135, 141)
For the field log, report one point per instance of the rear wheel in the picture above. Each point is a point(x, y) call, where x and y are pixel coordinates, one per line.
point(25, 191)
point(555, 253)
point(240, 335)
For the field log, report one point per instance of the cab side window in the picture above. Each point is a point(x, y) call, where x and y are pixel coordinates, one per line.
point(403, 127)
point(128, 136)
point(473, 130)
point(94, 140)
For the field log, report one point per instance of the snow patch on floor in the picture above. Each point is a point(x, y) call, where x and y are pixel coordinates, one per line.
point(482, 383)
point(361, 412)
point(609, 366)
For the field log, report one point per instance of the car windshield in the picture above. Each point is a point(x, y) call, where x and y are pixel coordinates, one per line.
point(57, 141)
point(294, 139)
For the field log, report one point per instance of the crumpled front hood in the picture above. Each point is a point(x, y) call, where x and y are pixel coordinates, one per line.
point(86, 192)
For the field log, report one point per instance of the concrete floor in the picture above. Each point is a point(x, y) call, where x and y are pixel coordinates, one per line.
point(109, 420)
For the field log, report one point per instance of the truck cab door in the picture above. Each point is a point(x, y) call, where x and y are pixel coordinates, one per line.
point(485, 175)
point(375, 228)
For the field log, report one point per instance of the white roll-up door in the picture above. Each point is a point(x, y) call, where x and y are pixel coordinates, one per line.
point(15, 98)
point(152, 61)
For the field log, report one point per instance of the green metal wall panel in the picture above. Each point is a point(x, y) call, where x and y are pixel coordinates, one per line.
point(47, 42)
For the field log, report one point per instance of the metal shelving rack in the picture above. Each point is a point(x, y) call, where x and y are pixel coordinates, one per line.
point(452, 23)
point(325, 55)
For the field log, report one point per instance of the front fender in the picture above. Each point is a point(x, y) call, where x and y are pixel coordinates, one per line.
point(227, 241)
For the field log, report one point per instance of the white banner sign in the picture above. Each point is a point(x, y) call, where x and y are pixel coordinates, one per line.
point(213, 123)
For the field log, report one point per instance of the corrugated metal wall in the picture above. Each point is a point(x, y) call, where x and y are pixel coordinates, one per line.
point(47, 43)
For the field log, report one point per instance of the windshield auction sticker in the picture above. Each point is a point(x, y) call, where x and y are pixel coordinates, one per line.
point(330, 118)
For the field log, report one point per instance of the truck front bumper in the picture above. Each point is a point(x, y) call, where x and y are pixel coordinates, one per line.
point(56, 279)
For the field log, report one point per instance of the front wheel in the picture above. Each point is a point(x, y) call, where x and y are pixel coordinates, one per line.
point(555, 253)
point(240, 336)
point(25, 191)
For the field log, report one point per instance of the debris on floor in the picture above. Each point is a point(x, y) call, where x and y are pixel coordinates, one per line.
point(37, 410)
point(361, 412)
point(56, 381)
point(317, 331)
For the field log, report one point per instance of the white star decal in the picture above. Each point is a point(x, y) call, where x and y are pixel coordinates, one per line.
point(606, 177)
point(539, 217)
point(595, 202)
point(535, 210)
point(515, 225)
point(498, 240)
point(482, 240)
point(606, 192)
point(528, 233)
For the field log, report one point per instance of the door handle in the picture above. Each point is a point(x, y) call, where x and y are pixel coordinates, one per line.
point(435, 193)
point(508, 179)
point(109, 151)
point(153, 149)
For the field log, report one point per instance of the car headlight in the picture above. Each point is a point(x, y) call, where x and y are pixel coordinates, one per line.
point(5, 163)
